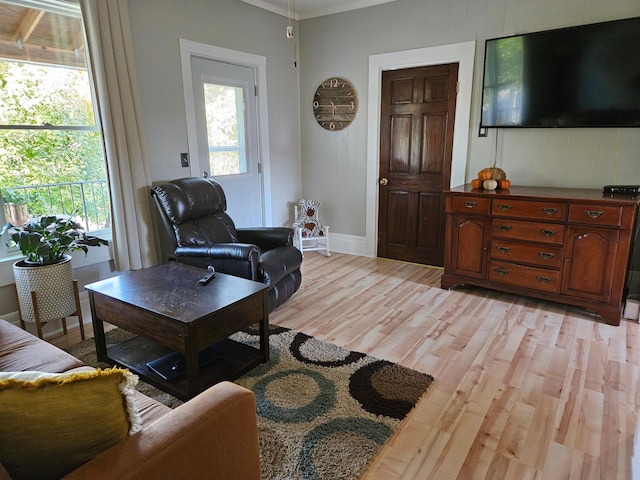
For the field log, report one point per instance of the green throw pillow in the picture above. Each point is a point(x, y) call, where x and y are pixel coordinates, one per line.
point(53, 423)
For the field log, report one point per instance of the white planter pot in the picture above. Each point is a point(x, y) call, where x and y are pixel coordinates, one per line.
point(53, 285)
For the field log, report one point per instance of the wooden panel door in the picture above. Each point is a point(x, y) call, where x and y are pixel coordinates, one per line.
point(417, 119)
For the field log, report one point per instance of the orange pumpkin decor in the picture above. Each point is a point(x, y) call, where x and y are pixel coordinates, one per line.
point(484, 174)
point(489, 175)
point(504, 184)
point(492, 173)
point(476, 183)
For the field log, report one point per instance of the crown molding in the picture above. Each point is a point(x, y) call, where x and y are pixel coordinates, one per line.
point(304, 9)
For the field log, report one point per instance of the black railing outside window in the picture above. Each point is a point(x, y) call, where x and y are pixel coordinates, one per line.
point(87, 201)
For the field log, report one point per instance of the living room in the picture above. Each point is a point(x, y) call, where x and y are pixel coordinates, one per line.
point(339, 168)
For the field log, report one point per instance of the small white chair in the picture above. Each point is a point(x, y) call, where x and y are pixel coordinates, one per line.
point(310, 235)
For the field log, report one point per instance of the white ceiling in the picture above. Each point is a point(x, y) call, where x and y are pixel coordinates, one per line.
point(302, 9)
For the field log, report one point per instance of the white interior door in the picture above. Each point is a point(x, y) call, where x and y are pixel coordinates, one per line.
point(227, 135)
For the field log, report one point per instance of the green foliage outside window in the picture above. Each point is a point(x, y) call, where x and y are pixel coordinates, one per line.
point(67, 149)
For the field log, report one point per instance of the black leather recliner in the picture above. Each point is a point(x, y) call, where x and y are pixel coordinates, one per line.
point(203, 234)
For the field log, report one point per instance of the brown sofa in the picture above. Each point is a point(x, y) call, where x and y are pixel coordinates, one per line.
point(214, 435)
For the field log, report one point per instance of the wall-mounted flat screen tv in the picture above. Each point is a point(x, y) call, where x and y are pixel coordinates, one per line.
point(586, 76)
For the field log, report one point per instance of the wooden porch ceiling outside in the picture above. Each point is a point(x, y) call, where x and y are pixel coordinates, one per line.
point(33, 35)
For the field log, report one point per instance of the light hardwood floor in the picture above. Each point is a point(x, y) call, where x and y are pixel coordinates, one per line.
point(524, 389)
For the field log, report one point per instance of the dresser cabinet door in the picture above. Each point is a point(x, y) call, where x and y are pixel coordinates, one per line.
point(589, 260)
point(469, 249)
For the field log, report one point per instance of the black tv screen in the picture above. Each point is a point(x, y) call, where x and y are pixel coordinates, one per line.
point(586, 76)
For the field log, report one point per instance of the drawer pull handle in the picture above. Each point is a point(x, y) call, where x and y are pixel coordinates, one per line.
point(546, 255)
point(549, 210)
point(503, 249)
point(594, 213)
point(469, 204)
point(548, 233)
point(504, 228)
point(502, 271)
point(504, 208)
point(544, 279)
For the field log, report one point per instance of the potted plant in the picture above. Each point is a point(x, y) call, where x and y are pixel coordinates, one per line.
point(44, 278)
point(15, 204)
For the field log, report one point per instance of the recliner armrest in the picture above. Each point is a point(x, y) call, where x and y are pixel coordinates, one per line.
point(233, 251)
point(214, 435)
point(266, 238)
point(239, 259)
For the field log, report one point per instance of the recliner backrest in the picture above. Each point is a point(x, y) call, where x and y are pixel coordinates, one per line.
point(194, 212)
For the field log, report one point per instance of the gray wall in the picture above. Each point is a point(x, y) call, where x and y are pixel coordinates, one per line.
point(334, 163)
point(157, 26)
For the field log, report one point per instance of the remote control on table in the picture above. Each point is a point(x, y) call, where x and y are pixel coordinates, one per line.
point(208, 277)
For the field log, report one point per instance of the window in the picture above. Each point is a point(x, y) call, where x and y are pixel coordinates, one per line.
point(51, 154)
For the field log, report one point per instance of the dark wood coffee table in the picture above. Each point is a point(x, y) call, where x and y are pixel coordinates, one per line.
point(170, 312)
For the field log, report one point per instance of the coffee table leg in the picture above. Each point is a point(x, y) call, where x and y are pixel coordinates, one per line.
point(264, 340)
point(264, 328)
point(98, 331)
point(193, 369)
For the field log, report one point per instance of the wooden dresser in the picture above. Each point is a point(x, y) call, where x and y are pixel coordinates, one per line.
point(566, 245)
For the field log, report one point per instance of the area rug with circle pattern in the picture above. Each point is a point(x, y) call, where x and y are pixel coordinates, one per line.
point(324, 412)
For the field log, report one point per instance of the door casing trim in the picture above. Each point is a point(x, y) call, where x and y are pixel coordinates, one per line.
point(461, 53)
point(190, 48)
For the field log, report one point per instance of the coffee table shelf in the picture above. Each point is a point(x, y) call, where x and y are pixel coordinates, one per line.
point(235, 360)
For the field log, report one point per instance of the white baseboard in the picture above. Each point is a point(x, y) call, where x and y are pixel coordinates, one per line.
point(349, 244)
point(12, 317)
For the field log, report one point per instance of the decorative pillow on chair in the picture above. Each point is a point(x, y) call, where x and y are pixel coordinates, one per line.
point(50, 424)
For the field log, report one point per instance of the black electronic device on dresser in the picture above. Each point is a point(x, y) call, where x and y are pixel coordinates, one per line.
point(560, 244)
point(621, 189)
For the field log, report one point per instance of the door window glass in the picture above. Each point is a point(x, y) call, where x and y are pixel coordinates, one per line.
point(224, 109)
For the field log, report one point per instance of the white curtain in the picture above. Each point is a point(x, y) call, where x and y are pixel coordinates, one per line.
point(113, 70)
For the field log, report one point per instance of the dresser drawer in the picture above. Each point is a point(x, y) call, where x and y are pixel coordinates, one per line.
point(543, 255)
point(464, 204)
point(551, 211)
point(595, 215)
point(522, 276)
point(528, 231)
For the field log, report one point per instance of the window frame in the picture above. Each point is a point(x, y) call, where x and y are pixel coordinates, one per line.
point(72, 9)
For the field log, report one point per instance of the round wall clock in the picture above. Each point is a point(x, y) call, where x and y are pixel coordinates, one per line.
point(335, 104)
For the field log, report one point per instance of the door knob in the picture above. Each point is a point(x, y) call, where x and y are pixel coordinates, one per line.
point(383, 181)
point(205, 174)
